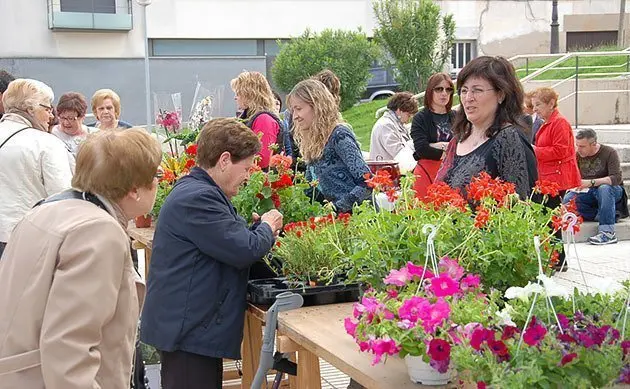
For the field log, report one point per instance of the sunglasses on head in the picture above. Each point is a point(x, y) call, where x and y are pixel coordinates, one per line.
point(440, 89)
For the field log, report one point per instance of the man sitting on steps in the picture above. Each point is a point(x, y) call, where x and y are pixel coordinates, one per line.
point(601, 196)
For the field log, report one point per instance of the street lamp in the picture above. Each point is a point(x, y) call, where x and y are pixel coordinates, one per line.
point(555, 46)
point(147, 76)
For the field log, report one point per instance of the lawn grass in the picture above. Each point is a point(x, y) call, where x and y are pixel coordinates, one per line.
point(361, 118)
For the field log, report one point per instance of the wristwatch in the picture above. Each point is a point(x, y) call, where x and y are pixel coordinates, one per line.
point(592, 183)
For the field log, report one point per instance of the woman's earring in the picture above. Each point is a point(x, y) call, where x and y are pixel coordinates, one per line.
point(138, 198)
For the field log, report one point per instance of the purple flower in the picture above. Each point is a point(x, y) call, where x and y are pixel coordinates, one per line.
point(469, 282)
point(535, 333)
point(398, 277)
point(440, 366)
point(624, 377)
point(564, 322)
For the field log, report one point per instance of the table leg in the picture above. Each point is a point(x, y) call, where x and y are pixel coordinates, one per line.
point(292, 378)
point(308, 376)
point(252, 344)
point(147, 261)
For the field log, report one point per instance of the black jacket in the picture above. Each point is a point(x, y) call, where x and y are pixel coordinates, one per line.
point(424, 132)
point(197, 283)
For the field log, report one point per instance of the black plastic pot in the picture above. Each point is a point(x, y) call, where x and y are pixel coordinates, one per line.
point(264, 292)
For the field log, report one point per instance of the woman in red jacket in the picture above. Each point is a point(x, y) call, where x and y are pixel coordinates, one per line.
point(554, 146)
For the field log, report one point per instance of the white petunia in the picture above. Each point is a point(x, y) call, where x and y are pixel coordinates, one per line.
point(505, 316)
point(552, 288)
point(523, 293)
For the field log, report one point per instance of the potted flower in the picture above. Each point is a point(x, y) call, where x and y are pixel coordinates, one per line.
point(420, 316)
point(580, 347)
point(490, 231)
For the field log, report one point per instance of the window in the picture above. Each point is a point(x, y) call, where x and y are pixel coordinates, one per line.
point(203, 47)
point(462, 53)
point(90, 6)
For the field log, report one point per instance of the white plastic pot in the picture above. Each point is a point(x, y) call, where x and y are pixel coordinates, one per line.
point(421, 372)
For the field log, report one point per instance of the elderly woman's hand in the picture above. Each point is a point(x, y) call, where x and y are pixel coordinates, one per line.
point(274, 219)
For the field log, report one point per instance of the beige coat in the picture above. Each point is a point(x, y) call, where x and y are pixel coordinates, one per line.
point(69, 300)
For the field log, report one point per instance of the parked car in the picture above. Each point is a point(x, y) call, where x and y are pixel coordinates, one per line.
point(381, 85)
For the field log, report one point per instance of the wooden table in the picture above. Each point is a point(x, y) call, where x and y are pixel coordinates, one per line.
point(142, 239)
point(319, 332)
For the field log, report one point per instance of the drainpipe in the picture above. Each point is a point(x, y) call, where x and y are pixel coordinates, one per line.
point(555, 45)
point(622, 24)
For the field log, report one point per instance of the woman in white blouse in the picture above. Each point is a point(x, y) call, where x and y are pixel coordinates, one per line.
point(33, 163)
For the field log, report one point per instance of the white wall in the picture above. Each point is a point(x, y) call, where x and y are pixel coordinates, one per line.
point(24, 28)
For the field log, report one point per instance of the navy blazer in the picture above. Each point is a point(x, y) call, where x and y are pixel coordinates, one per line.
point(197, 283)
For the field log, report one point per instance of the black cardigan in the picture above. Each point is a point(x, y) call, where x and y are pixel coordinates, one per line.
point(424, 132)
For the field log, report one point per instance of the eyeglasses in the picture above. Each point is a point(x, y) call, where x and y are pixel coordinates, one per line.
point(46, 107)
point(474, 92)
point(440, 89)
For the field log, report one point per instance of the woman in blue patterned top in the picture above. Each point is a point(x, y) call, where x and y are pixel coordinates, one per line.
point(328, 146)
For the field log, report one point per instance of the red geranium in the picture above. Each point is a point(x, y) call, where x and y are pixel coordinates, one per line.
point(192, 150)
point(548, 188)
point(440, 195)
point(284, 181)
point(482, 217)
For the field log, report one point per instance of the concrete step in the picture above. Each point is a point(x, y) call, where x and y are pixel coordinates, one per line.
point(626, 185)
point(612, 136)
point(623, 150)
point(588, 229)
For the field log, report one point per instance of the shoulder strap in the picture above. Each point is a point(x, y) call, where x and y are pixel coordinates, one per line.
point(12, 135)
point(73, 194)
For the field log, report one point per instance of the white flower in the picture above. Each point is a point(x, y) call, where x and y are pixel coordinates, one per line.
point(523, 293)
point(552, 288)
point(606, 286)
point(505, 316)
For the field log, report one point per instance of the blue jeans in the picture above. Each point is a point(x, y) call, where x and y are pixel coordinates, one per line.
point(598, 203)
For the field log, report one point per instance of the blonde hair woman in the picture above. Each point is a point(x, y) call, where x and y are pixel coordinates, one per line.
point(33, 163)
point(73, 295)
point(106, 110)
point(328, 146)
point(257, 104)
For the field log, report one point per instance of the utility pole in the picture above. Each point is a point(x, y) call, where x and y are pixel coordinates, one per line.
point(147, 75)
point(555, 45)
point(622, 24)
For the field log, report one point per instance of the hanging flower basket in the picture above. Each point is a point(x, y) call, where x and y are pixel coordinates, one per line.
point(421, 372)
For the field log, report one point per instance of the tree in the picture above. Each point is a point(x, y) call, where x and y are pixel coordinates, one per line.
point(417, 36)
point(347, 53)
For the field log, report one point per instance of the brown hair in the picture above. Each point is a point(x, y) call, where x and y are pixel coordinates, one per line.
point(112, 163)
point(100, 96)
point(255, 89)
point(433, 82)
point(225, 134)
point(527, 99)
point(500, 73)
point(546, 94)
point(331, 82)
point(405, 101)
point(72, 101)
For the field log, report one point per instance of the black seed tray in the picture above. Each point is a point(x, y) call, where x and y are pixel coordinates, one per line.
point(264, 292)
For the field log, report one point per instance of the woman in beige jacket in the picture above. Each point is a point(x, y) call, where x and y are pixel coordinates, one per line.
point(69, 295)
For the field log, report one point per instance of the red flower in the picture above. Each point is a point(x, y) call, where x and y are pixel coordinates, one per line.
point(284, 181)
point(482, 217)
point(278, 243)
point(439, 350)
point(479, 336)
point(276, 200)
point(298, 233)
point(555, 258)
point(535, 333)
point(392, 195)
point(484, 186)
point(481, 385)
point(190, 163)
point(549, 188)
point(281, 161)
point(192, 150)
point(567, 358)
point(499, 349)
point(168, 176)
point(509, 332)
point(381, 181)
point(440, 195)
point(625, 346)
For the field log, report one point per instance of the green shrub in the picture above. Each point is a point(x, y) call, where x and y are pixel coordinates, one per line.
point(347, 53)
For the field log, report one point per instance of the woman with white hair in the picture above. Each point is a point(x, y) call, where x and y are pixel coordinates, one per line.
point(33, 163)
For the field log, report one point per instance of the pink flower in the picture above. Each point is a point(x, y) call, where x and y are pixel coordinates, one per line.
point(433, 315)
point(479, 336)
point(469, 282)
point(364, 346)
point(350, 326)
point(451, 267)
point(368, 305)
point(388, 315)
point(509, 332)
point(481, 385)
point(416, 271)
point(405, 324)
point(564, 322)
point(392, 293)
point(398, 277)
point(381, 347)
point(567, 358)
point(410, 308)
point(499, 349)
point(443, 285)
point(535, 333)
point(625, 346)
point(439, 350)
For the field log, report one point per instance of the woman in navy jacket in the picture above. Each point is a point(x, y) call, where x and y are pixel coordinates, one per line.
point(202, 250)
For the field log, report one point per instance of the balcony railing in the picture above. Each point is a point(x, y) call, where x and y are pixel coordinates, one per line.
point(115, 15)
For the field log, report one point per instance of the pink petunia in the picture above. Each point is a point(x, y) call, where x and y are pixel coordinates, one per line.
point(535, 333)
point(381, 347)
point(398, 277)
point(392, 293)
point(469, 282)
point(567, 358)
point(451, 267)
point(439, 350)
point(388, 315)
point(443, 285)
point(479, 336)
point(411, 307)
point(417, 271)
point(433, 315)
point(350, 326)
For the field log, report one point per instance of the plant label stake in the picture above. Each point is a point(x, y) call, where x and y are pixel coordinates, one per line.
point(572, 219)
point(624, 313)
